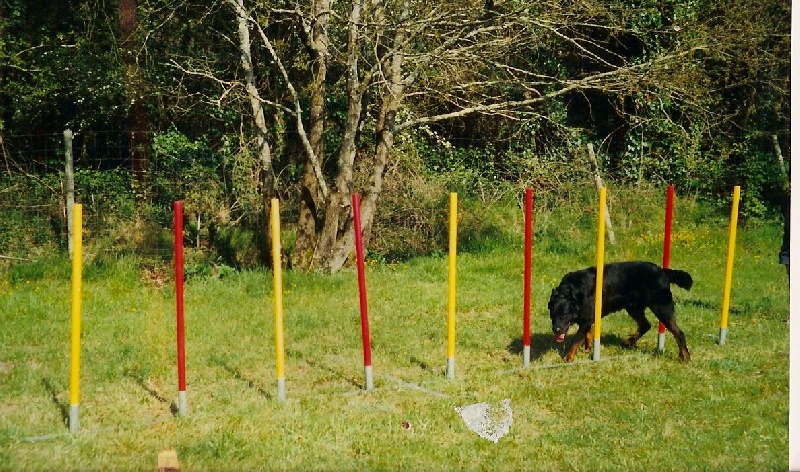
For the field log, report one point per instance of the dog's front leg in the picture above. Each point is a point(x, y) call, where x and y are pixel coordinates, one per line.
point(580, 337)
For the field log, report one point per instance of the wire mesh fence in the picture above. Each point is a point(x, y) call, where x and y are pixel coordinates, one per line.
point(127, 202)
point(122, 211)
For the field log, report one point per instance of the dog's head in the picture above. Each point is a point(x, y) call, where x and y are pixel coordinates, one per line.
point(564, 306)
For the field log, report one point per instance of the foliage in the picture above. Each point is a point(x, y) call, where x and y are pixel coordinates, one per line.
point(764, 186)
point(668, 92)
point(220, 204)
point(59, 71)
point(33, 222)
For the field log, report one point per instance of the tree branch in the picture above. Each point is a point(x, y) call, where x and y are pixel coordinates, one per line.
point(315, 160)
point(602, 80)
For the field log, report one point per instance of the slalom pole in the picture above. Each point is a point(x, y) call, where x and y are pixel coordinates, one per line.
point(277, 276)
point(362, 291)
point(726, 291)
point(526, 297)
point(75, 318)
point(598, 290)
point(183, 407)
point(451, 289)
point(667, 247)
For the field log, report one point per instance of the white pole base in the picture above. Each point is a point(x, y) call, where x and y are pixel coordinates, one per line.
point(74, 418)
point(596, 351)
point(183, 405)
point(526, 357)
point(451, 368)
point(723, 336)
point(661, 341)
point(281, 389)
point(368, 376)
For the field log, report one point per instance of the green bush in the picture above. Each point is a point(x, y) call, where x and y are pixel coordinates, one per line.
point(32, 219)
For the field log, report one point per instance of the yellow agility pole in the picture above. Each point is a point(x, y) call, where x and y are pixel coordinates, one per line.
point(600, 261)
point(726, 291)
point(275, 225)
point(451, 290)
point(75, 318)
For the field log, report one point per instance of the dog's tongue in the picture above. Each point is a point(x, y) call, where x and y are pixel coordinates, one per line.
point(560, 338)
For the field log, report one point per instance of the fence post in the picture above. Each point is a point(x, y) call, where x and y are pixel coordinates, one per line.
point(69, 170)
point(599, 183)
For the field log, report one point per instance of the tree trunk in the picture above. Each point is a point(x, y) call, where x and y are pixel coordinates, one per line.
point(134, 87)
point(387, 121)
point(323, 221)
point(338, 215)
point(391, 98)
point(262, 133)
point(311, 198)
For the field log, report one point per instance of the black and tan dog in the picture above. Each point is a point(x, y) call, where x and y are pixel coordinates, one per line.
point(632, 286)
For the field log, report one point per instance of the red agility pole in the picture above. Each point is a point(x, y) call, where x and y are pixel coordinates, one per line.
point(362, 290)
point(526, 298)
point(178, 216)
point(665, 261)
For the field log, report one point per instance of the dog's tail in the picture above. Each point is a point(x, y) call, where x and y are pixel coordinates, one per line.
point(680, 278)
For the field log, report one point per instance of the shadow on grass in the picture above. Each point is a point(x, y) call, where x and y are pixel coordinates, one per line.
point(173, 408)
point(544, 342)
point(63, 408)
point(237, 374)
point(540, 344)
point(714, 306)
point(420, 363)
point(316, 365)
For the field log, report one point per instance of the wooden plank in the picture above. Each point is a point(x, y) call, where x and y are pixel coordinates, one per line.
point(168, 461)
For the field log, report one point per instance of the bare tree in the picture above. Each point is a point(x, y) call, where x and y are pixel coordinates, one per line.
point(260, 123)
point(315, 192)
point(451, 61)
point(332, 243)
point(459, 55)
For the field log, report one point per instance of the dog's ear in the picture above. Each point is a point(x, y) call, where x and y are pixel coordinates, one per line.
point(566, 291)
point(554, 296)
point(559, 293)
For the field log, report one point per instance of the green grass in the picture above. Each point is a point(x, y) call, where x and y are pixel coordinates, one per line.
point(634, 410)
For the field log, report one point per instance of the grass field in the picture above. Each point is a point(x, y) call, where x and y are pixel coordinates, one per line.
point(727, 409)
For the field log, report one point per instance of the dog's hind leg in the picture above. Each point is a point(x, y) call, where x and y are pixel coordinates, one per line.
point(589, 341)
point(642, 325)
point(666, 314)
